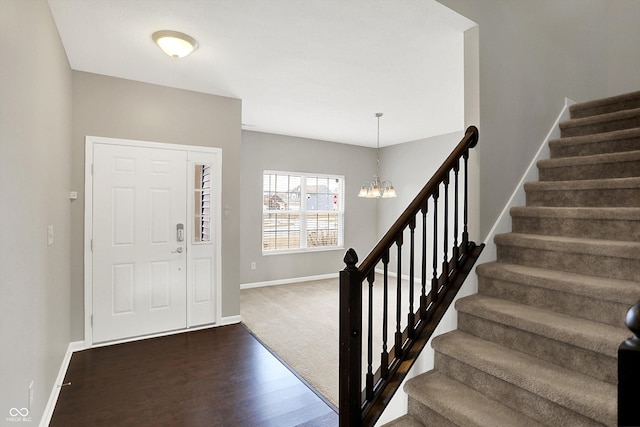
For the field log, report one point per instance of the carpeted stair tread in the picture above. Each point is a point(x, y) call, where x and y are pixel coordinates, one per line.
point(600, 213)
point(605, 105)
point(462, 405)
point(624, 119)
point(592, 336)
point(599, 143)
point(614, 259)
point(609, 165)
point(587, 184)
point(404, 421)
point(614, 290)
point(621, 223)
point(605, 248)
point(611, 192)
point(580, 393)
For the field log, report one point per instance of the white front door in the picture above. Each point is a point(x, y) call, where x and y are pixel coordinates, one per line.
point(139, 262)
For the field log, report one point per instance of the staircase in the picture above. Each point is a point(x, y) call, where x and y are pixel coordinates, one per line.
point(538, 344)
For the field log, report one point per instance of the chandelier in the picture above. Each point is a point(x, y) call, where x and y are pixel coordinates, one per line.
point(377, 188)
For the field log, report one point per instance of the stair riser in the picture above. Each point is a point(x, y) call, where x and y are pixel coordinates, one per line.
point(622, 230)
point(578, 112)
point(530, 404)
point(426, 415)
point(593, 309)
point(605, 126)
point(595, 171)
point(597, 365)
point(593, 265)
point(624, 197)
point(559, 150)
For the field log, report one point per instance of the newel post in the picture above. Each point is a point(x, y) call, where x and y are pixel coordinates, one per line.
point(350, 363)
point(629, 372)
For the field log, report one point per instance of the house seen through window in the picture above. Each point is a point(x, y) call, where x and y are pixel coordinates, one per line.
point(301, 212)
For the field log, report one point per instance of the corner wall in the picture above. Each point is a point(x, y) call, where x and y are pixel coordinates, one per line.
point(263, 151)
point(117, 108)
point(531, 56)
point(35, 174)
point(623, 55)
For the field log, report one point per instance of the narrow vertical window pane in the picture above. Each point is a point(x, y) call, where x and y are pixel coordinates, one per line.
point(202, 201)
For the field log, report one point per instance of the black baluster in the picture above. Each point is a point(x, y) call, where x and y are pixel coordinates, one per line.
point(398, 343)
point(411, 318)
point(465, 233)
point(384, 357)
point(423, 296)
point(434, 279)
point(445, 262)
point(456, 249)
point(369, 379)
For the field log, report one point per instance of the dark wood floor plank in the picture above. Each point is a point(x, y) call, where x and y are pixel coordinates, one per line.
point(215, 377)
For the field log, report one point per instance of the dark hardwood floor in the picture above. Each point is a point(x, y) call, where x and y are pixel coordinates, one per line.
point(215, 377)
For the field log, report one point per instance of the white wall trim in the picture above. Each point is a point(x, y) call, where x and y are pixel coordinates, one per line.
point(230, 320)
point(57, 385)
point(289, 281)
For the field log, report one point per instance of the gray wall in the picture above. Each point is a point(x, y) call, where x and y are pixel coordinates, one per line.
point(409, 166)
point(35, 160)
point(623, 55)
point(532, 54)
point(262, 151)
point(117, 108)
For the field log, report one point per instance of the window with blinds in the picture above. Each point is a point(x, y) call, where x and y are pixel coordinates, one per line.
point(202, 220)
point(301, 212)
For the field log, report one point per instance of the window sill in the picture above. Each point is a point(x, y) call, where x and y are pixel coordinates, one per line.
point(302, 251)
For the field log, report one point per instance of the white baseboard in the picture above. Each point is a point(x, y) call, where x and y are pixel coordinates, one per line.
point(55, 391)
point(288, 281)
point(230, 320)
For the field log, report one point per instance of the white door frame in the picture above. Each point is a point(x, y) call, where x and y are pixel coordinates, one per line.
point(193, 151)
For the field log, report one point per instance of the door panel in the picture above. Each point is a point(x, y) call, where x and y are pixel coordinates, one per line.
point(139, 277)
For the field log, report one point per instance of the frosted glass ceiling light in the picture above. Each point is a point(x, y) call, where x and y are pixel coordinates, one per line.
point(376, 188)
point(175, 44)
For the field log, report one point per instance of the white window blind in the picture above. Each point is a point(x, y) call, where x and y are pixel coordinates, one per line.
point(302, 212)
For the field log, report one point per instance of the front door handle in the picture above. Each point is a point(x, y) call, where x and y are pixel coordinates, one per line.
point(178, 250)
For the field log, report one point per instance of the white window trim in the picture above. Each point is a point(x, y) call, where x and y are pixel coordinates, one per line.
point(303, 213)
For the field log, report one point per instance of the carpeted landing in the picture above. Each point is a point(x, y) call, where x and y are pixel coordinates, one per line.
point(300, 323)
point(538, 344)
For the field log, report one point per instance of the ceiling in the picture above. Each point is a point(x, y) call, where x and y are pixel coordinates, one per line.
point(316, 69)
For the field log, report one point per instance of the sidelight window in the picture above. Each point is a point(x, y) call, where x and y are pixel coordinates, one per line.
point(202, 209)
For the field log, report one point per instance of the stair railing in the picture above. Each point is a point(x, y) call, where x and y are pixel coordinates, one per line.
point(629, 371)
point(441, 275)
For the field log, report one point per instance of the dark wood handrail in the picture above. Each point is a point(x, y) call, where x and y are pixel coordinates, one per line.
point(452, 260)
point(470, 140)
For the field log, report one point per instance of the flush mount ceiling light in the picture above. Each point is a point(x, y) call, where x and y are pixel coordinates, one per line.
point(377, 188)
point(175, 44)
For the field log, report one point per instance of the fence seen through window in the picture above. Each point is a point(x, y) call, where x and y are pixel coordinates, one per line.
point(301, 211)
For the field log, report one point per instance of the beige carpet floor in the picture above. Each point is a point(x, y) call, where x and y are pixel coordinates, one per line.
point(299, 322)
